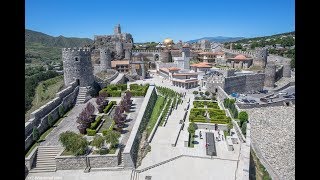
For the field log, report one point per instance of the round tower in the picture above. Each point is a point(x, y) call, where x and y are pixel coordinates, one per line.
point(270, 74)
point(127, 54)
point(286, 70)
point(105, 58)
point(119, 50)
point(261, 58)
point(77, 66)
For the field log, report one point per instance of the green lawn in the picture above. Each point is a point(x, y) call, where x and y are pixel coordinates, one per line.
point(45, 92)
point(155, 114)
point(165, 112)
point(66, 153)
point(32, 147)
point(106, 124)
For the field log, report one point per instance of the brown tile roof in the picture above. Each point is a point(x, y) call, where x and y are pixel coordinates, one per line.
point(173, 69)
point(115, 63)
point(202, 65)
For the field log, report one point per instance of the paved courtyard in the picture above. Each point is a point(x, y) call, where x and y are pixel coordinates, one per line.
point(189, 168)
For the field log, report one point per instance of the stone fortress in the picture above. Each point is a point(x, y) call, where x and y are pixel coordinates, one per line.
point(112, 59)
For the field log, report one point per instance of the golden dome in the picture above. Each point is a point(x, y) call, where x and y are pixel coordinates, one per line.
point(168, 41)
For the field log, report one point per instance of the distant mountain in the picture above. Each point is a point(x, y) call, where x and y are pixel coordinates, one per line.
point(220, 39)
point(60, 41)
point(40, 47)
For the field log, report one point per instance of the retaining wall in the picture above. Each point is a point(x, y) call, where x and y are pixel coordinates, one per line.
point(39, 118)
point(131, 149)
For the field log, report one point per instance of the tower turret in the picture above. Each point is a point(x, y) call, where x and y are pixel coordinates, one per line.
point(105, 58)
point(77, 66)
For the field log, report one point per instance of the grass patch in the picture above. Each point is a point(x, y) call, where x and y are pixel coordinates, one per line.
point(155, 114)
point(45, 134)
point(66, 153)
point(165, 112)
point(260, 171)
point(45, 92)
point(106, 124)
point(32, 147)
point(112, 151)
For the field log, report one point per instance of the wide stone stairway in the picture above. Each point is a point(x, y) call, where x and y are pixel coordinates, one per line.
point(82, 95)
point(45, 161)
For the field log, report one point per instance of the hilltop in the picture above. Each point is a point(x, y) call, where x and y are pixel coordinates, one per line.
point(40, 47)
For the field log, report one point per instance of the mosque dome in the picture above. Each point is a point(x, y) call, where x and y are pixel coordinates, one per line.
point(168, 41)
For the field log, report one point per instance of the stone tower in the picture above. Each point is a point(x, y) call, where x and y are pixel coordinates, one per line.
point(127, 54)
point(117, 29)
point(119, 50)
point(260, 58)
point(77, 66)
point(270, 75)
point(186, 50)
point(105, 58)
point(286, 70)
point(166, 56)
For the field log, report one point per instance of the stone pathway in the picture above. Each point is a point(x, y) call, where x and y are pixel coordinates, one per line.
point(67, 124)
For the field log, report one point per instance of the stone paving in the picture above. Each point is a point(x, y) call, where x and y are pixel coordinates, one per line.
point(133, 116)
point(161, 148)
point(273, 129)
point(80, 175)
point(189, 168)
point(67, 124)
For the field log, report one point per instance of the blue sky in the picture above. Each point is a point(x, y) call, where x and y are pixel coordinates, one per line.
point(155, 20)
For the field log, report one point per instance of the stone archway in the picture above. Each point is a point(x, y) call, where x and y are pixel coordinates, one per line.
point(156, 57)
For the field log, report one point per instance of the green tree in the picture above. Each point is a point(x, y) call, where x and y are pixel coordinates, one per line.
point(244, 128)
point(201, 93)
point(195, 92)
point(61, 111)
point(50, 120)
point(74, 143)
point(35, 133)
point(207, 93)
point(98, 141)
point(112, 137)
point(192, 128)
point(229, 126)
point(243, 117)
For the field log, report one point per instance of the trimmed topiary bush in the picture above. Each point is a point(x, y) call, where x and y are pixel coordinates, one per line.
point(195, 92)
point(91, 132)
point(207, 93)
point(244, 128)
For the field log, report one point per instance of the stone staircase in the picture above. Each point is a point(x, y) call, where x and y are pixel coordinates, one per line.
point(45, 161)
point(82, 95)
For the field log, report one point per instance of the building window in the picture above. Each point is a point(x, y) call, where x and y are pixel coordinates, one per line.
point(76, 59)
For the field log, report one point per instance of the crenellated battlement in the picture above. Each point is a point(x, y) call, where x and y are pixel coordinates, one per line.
point(79, 49)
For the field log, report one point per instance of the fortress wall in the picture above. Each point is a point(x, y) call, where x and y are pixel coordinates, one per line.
point(254, 82)
point(39, 118)
point(235, 84)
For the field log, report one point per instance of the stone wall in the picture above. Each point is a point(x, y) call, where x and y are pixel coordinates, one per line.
point(244, 83)
point(104, 161)
point(279, 73)
point(39, 118)
point(29, 161)
point(276, 103)
point(70, 162)
point(131, 149)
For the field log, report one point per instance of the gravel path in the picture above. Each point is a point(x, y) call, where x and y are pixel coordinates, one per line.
point(273, 129)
